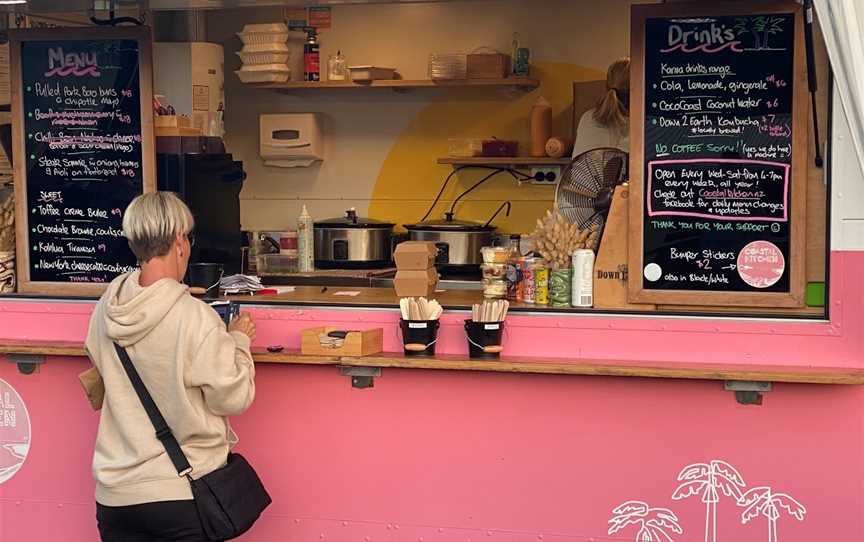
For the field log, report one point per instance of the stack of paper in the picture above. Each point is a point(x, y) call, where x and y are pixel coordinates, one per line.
point(240, 284)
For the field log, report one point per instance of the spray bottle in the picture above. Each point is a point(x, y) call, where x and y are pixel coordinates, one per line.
point(311, 55)
point(305, 242)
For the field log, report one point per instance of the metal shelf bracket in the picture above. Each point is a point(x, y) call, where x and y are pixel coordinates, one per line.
point(27, 363)
point(361, 377)
point(747, 392)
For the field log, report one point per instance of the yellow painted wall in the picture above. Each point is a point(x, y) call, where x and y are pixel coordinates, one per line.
point(381, 147)
point(415, 152)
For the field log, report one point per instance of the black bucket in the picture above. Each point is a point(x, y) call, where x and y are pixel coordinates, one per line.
point(419, 332)
point(483, 334)
point(207, 276)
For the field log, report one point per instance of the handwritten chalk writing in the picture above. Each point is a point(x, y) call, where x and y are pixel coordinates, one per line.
point(78, 64)
point(83, 155)
point(714, 35)
point(718, 148)
point(52, 196)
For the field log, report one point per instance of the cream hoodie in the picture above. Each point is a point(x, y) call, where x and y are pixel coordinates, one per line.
point(196, 371)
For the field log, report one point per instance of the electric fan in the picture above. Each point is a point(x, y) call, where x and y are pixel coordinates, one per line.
point(584, 193)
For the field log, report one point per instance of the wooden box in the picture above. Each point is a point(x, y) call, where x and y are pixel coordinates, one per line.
point(357, 343)
point(488, 65)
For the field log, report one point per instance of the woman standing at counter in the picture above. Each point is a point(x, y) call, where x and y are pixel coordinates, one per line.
point(196, 371)
point(608, 123)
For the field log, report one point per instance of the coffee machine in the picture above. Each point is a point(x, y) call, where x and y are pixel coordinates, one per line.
point(209, 180)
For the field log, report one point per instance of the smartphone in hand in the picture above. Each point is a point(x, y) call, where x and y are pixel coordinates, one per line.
point(227, 310)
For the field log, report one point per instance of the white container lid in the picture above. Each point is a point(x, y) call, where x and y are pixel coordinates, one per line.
point(265, 68)
point(269, 28)
point(266, 48)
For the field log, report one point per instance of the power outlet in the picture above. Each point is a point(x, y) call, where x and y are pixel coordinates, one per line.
point(545, 175)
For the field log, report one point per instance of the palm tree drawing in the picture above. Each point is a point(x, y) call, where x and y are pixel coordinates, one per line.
point(652, 522)
point(708, 480)
point(768, 26)
point(744, 25)
point(763, 501)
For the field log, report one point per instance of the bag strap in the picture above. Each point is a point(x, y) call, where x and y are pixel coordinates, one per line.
point(163, 432)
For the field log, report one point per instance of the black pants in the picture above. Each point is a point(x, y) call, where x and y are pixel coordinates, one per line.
point(175, 521)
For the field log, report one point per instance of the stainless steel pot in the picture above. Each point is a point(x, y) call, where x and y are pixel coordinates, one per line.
point(458, 243)
point(352, 242)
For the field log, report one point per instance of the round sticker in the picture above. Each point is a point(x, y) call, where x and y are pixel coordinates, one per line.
point(761, 264)
point(652, 272)
point(14, 431)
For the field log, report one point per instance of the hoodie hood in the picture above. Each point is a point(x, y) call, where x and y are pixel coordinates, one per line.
point(132, 311)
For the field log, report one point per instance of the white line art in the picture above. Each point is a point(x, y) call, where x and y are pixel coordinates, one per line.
point(705, 479)
point(762, 501)
point(653, 522)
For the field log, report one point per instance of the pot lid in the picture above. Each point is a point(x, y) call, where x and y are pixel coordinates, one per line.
point(450, 225)
point(351, 220)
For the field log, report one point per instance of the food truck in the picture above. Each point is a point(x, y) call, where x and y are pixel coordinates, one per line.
point(661, 340)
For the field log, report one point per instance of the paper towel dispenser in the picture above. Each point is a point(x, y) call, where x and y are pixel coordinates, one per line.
point(290, 139)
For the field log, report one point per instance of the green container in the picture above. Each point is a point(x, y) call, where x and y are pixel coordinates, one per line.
point(560, 284)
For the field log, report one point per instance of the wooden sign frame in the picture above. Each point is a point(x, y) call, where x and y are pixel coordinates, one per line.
point(798, 199)
point(141, 35)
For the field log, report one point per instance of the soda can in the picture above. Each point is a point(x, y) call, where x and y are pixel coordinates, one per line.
point(541, 279)
point(529, 284)
point(582, 293)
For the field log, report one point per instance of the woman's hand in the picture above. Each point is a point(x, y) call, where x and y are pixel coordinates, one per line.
point(244, 325)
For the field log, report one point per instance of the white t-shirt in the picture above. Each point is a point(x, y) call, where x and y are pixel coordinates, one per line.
point(593, 135)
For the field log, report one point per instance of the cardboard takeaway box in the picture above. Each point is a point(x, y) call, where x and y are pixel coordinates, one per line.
point(422, 283)
point(415, 255)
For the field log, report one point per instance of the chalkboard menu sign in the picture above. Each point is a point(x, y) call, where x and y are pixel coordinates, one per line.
point(718, 148)
point(82, 112)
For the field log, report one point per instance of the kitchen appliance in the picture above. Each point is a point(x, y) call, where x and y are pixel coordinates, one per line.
point(290, 139)
point(351, 242)
point(210, 185)
point(458, 242)
point(584, 193)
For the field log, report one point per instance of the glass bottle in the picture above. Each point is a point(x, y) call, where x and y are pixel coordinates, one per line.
point(336, 67)
point(512, 274)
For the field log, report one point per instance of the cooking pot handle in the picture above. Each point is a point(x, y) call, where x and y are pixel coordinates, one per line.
point(267, 240)
point(507, 204)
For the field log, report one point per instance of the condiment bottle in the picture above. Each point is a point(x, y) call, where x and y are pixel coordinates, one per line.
point(512, 273)
point(541, 126)
point(305, 242)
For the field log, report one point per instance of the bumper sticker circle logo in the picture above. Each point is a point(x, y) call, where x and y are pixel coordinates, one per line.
point(761, 264)
point(14, 431)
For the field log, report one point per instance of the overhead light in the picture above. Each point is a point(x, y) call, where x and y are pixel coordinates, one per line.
point(12, 2)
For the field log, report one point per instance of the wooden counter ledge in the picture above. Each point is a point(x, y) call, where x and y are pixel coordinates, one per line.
point(648, 369)
point(463, 299)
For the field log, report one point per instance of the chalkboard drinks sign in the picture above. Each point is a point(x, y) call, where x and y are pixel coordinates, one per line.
point(84, 134)
point(719, 173)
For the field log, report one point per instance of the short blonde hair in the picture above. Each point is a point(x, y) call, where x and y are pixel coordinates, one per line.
point(152, 222)
point(610, 110)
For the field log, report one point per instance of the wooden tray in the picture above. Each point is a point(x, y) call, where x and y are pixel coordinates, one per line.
point(357, 343)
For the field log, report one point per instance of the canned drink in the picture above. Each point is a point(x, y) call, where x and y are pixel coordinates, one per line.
point(529, 284)
point(582, 293)
point(541, 279)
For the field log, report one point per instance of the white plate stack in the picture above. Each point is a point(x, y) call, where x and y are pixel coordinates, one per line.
point(265, 53)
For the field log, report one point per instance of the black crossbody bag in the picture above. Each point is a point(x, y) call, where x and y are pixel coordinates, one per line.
point(229, 500)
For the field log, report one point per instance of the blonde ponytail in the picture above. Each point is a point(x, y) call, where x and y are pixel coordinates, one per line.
point(610, 111)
